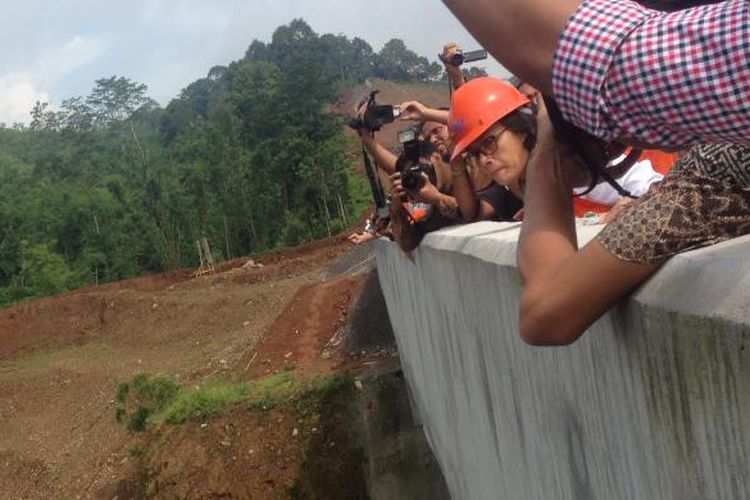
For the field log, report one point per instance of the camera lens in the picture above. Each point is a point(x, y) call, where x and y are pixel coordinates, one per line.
point(411, 179)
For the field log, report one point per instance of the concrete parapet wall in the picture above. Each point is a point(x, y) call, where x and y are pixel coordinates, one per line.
point(653, 402)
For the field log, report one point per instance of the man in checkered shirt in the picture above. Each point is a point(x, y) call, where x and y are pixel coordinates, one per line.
point(623, 71)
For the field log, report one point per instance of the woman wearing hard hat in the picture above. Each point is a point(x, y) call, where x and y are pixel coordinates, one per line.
point(493, 128)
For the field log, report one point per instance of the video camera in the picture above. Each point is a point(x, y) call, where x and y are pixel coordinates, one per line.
point(409, 163)
point(459, 58)
point(375, 116)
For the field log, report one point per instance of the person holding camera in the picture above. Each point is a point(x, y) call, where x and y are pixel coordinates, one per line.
point(420, 197)
point(421, 179)
point(689, 209)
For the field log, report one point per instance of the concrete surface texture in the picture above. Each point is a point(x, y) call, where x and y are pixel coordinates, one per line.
point(653, 402)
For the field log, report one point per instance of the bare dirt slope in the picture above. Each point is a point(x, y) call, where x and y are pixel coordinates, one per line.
point(61, 358)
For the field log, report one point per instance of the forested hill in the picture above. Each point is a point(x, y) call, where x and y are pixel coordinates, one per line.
point(111, 185)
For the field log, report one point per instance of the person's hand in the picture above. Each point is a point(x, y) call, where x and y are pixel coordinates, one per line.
point(361, 237)
point(359, 114)
point(574, 172)
point(449, 50)
point(530, 92)
point(398, 193)
point(426, 193)
point(411, 110)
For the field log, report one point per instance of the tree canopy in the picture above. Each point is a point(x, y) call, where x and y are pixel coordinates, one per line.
point(110, 185)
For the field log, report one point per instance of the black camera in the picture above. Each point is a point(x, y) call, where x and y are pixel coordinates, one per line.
point(460, 57)
point(411, 175)
point(375, 116)
point(410, 164)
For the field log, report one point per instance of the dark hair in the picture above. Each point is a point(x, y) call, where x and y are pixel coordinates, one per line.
point(523, 121)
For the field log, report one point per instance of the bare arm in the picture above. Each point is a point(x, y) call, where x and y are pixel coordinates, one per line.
point(414, 110)
point(463, 191)
point(565, 290)
point(521, 34)
point(455, 75)
point(384, 158)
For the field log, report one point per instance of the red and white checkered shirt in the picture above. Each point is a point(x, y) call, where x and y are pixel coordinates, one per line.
point(674, 79)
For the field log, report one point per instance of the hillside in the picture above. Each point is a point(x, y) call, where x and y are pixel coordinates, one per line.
point(63, 357)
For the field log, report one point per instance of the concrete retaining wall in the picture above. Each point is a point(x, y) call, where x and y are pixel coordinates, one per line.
point(653, 402)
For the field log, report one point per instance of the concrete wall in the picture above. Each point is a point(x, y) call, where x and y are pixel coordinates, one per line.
point(653, 402)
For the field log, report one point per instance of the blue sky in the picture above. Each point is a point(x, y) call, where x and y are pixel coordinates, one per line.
point(55, 50)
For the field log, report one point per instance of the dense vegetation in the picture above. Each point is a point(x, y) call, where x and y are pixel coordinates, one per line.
point(111, 185)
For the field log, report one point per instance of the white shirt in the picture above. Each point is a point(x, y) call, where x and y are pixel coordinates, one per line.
point(637, 180)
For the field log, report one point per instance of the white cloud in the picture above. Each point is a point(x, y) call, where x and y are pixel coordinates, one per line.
point(18, 94)
point(21, 88)
point(56, 62)
point(167, 44)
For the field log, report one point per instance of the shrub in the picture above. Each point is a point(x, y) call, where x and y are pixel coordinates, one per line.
point(143, 397)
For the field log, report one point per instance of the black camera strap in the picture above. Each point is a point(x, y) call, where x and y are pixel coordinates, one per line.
point(378, 193)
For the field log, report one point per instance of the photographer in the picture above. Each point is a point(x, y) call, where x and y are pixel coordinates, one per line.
point(420, 197)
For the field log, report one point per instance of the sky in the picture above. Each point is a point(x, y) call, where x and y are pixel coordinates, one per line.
point(55, 50)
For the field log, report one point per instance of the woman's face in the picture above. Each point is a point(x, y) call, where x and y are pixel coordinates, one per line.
point(500, 154)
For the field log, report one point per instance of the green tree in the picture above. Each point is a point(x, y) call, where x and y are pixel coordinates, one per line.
point(115, 99)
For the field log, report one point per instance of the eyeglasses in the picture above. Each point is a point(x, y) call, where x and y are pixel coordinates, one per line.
point(486, 146)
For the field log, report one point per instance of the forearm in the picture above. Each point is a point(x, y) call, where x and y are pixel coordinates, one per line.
point(384, 158)
point(565, 290)
point(455, 75)
point(436, 115)
point(548, 236)
point(448, 206)
point(464, 194)
point(521, 34)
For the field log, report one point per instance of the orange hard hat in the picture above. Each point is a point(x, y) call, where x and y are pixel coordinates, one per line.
point(476, 106)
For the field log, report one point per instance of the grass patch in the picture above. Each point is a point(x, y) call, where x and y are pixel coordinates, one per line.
point(273, 391)
point(288, 388)
point(143, 397)
point(152, 400)
point(203, 402)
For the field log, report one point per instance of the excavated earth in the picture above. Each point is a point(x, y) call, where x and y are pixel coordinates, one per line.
point(61, 359)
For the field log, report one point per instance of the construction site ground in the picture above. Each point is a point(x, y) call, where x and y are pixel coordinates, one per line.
point(61, 359)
